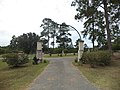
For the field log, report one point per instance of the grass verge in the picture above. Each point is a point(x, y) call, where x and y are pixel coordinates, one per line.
point(107, 78)
point(19, 78)
point(53, 55)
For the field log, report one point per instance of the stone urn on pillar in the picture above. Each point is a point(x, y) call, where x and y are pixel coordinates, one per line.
point(39, 54)
point(80, 49)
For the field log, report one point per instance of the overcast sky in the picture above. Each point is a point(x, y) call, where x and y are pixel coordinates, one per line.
point(24, 16)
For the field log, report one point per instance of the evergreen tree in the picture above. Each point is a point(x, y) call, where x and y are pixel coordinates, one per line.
point(26, 42)
point(99, 10)
point(63, 37)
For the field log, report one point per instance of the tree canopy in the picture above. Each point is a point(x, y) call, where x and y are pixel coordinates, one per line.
point(101, 17)
point(26, 42)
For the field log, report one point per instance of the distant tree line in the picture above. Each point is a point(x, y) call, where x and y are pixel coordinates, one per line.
point(26, 42)
point(102, 25)
point(56, 33)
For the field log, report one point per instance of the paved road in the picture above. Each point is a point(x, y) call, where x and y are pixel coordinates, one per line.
point(60, 74)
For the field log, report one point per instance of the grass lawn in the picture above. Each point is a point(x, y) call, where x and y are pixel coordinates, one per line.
point(107, 78)
point(18, 78)
point(53, 55)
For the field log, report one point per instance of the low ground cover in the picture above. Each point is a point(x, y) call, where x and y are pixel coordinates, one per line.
point(31, 56)
point(107, 78)
point(19, 78)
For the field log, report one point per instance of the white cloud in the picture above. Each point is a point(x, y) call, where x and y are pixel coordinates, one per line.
point(23, 16)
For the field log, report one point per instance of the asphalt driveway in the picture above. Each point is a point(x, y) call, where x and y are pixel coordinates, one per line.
point(60, 74)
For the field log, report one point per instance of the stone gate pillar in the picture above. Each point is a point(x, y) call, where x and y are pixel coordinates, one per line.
point(39, 54)
point(80, 49)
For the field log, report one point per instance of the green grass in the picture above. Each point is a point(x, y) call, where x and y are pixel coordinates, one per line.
point(31, 56)
point(56, 55)
point(53, 55)
point(18, 78)
point(107, 78)
point(0, 57)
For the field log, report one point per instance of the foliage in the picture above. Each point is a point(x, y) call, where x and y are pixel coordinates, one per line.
point(45, 61)
point(19, 78)
point(106, 78)
point(49, 30)
point(116, 46)
point(46, 29)
point(93, 20)
point(35, 60)
point(98, 58)
point(63, 37)
point(58, 32)
point(72, 50)
point(76, 43)
point(57, 50)
point(2, 51)
point(6, 49)
point(26, 42)
point(45, 47)
point(15, 59)
point(99, 15)
point(76, 60)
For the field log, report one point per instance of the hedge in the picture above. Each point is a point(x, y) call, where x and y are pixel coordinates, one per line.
point(98, 58)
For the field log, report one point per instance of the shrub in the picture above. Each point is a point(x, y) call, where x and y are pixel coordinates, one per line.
point(15, 59)
point(45, 61)
point(84, 58)
point(116, 46)
point(57, 50)
point(104, 58)
point(65, 51)
point(2, 51)
point(76, 60)
point(98, 58)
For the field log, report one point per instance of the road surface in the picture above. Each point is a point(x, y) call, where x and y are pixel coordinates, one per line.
point(60, 74)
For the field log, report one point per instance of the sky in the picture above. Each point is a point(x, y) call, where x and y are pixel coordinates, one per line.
point(24, 16)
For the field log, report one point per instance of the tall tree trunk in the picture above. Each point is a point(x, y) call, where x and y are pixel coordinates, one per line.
point(93, 34)
point(107, 26)
point(48, 37)
point(53, 42)
point(93, 44)
point(48, 41)
point(53, 39)
point(93, 17)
